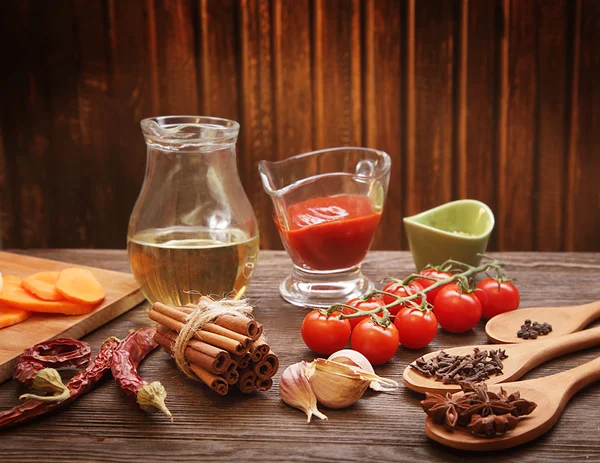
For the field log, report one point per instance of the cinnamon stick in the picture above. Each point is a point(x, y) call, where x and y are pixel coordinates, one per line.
point(264, 384)
point(216, 383)
point(192, 356)
point(180, 314)
point(242, 360)
point(247, 381)
point(259, 349)
point(212, 328)
point(231, 375)
point(263, 369)
point(238, 323)
point(230, 345)
point(273, 360)
point(221, 356)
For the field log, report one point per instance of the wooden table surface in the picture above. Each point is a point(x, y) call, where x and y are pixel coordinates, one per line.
point(107, 426)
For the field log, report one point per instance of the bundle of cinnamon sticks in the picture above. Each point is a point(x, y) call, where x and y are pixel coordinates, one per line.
point(229, 351)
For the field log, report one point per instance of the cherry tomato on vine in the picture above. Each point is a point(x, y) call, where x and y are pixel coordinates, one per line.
point(402, 291)
point(325, 335)
point(456, 310)
point(375, 342)
point(370, 304)
point(426, 283)
point(416, 328)
point(497, 297)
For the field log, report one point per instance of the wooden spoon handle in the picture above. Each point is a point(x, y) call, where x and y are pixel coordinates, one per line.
point(592, 309)
point(576, 378)
point(552, 348)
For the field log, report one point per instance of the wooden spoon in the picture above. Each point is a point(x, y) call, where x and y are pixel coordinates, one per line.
point(564, 320)
point(550, 393)
point(521, 359)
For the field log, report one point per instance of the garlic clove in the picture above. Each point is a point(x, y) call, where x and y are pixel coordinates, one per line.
point(360, 364)
point(334, 384)
point(295, 390)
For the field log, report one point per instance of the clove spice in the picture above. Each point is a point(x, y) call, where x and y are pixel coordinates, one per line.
point(454, 369)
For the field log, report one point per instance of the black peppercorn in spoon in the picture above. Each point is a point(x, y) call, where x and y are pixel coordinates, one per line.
point(503, 328)
point(550, 393)
point(521, 358)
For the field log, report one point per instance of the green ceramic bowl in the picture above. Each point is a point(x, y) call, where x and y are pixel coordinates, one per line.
point(457, 230)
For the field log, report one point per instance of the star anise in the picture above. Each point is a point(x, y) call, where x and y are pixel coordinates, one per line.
point(444, 410)
point(520, 406)
point(492, 425)
point(482, 402)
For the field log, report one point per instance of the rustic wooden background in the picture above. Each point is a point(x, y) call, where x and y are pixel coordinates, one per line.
point(490, 99)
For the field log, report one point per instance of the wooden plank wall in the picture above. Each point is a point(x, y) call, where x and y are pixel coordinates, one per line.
point(496, 100)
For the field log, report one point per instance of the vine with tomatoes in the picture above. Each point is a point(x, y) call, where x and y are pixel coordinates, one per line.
point(407, 312)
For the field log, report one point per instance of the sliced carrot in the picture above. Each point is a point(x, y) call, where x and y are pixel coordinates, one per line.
point(42, 285)
point(17, 297)
point(11, 316)
point(9, 279)
point(80, 285)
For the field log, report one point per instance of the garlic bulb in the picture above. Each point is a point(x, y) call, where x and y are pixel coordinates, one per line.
point(356, 359)
point(334, 384)
point(295, 390)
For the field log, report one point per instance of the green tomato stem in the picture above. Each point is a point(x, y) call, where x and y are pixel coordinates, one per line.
point(463, 276)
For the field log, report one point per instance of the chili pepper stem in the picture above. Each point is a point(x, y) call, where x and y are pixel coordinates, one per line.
point(48, 380)
point(47, 398)
point(151, 398)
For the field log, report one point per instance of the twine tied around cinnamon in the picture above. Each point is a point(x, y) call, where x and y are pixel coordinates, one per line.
point(205, 311)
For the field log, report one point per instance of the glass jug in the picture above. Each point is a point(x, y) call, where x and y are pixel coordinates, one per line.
point(192, 230)
point(327, 205)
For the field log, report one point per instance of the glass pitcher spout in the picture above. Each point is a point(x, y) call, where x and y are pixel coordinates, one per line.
point(327, 205)
point(192, 230)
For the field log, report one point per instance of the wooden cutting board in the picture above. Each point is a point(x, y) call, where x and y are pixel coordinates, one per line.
point(122, 294)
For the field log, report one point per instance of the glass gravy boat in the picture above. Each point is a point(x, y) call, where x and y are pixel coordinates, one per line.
point(327, 205)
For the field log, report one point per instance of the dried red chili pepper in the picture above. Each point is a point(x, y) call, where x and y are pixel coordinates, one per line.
point(60, 354)
point(126, 359)
point(79, 385)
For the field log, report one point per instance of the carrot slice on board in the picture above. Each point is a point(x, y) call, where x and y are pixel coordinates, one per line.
point(11, 316)
point(17, 297)
point(42, 285)
point(80, 285)
point(11, 280)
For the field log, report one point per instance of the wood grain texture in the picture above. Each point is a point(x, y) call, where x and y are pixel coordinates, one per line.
point(477, 119)
point(493, 100)
point(583, 157)
point(93, 100)
point(292, 89)
point(28, 124)
point(70, 196)
point(517, 163)
point(122, 293)
point(337, 73)
point(218, 51)
point(215, 428)
point(383, 102)
point(134, 95)
point(175, 38)
point(256, 140)
point(552, 130)
point(431, 43)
